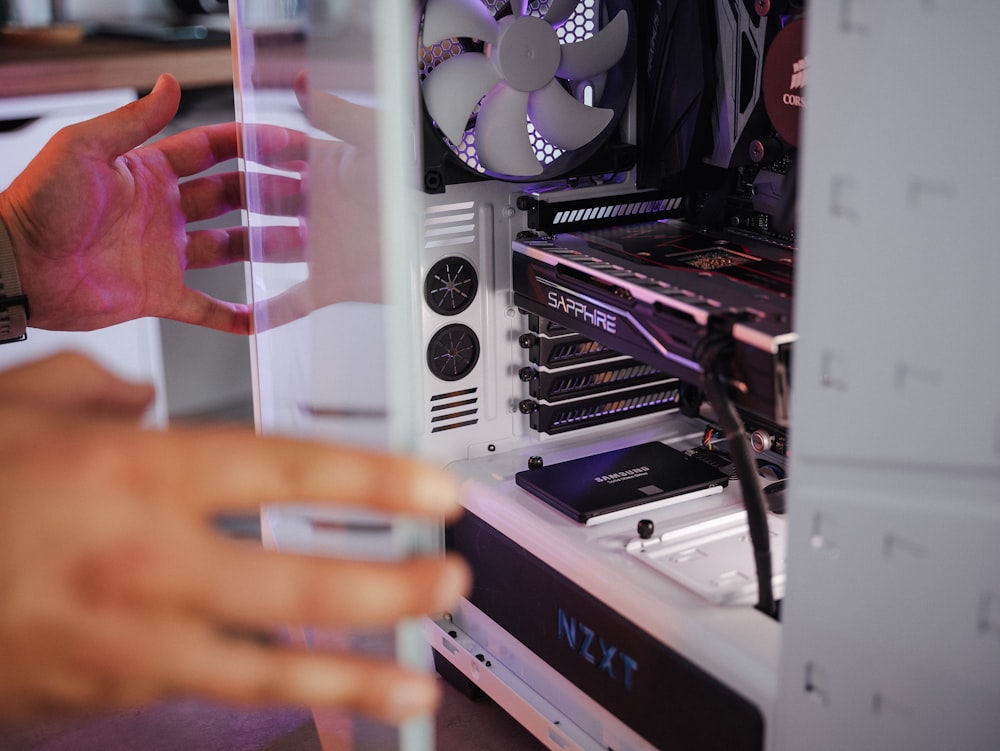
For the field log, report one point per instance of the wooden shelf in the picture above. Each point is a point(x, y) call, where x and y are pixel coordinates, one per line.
point(106, 64)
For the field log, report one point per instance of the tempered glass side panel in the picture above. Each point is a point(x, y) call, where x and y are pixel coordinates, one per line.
point(324, 94)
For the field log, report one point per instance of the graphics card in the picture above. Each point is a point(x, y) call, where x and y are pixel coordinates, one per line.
point(658, 291)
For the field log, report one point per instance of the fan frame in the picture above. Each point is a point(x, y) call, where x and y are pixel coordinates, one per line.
point(607, 154)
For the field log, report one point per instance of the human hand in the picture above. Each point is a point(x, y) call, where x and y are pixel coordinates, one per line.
point(71, 381)
point(98, 220)
point(115, 590)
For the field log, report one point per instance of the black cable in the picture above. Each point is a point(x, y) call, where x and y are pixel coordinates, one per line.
point(715, 355)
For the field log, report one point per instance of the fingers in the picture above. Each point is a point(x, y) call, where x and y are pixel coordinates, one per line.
point(209, 248)
point(244, 586)
point(127, 127)
point(275, 145)
point(196, 149)
point(70, 380)
point(292, 304)
point(319, 591)
point(275, 195)
point(212, 195)
point(199, 309)
point(240, 672)
point(131, 657)
point(216, 247)
point(230, 470)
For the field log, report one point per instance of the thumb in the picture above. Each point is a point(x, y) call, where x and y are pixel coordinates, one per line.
point(132, 125)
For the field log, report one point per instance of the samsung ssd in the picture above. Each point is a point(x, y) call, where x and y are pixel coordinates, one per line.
point(613, 484)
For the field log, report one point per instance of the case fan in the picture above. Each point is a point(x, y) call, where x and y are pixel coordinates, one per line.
point(527, 77)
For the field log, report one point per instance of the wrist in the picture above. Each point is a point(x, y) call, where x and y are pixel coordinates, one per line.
point(14, 311)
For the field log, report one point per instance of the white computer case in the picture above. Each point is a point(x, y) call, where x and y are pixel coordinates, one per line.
point(887, 559)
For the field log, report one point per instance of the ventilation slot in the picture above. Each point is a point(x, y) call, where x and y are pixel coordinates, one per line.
point(568, 350)
point(602, 212)
point(451, 225)
point(603, 409)
point(586, 381)
point(456, 409)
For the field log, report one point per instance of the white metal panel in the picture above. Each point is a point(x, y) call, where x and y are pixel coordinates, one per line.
point(890, 635)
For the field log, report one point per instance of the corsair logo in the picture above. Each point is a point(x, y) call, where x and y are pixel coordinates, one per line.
point(580, 310)
point(798, 75)
point(798, 82)
point(592, 647)
point(625, 474)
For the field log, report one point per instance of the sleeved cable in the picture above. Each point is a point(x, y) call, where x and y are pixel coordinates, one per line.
point(715, 357)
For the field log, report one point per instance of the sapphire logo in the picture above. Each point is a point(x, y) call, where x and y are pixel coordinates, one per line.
point(583, 311)
point(594, 649)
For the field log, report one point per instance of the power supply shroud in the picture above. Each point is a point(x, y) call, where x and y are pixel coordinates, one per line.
point(643, 682)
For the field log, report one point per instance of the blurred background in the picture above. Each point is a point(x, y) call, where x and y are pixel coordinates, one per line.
point(70, 59)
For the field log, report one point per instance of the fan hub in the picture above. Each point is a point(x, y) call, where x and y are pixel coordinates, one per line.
point(527, 52)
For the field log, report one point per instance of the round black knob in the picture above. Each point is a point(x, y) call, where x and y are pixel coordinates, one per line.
point(527, 341)
point(645, 528)
point(535, 462)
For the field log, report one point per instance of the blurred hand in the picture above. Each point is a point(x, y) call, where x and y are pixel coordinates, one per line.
point(115, 590)
point(72, 381)
point(98, 220)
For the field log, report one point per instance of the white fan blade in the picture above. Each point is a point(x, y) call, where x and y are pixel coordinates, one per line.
point(502, 141)
point(519, 7)
point(447, 19)
point(453, 89)
point(562, 120)
point(560, 10)
point(581, 60)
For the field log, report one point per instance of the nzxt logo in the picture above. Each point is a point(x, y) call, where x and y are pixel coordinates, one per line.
point(798, 82)
point(604, 656)
point(580, 310)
